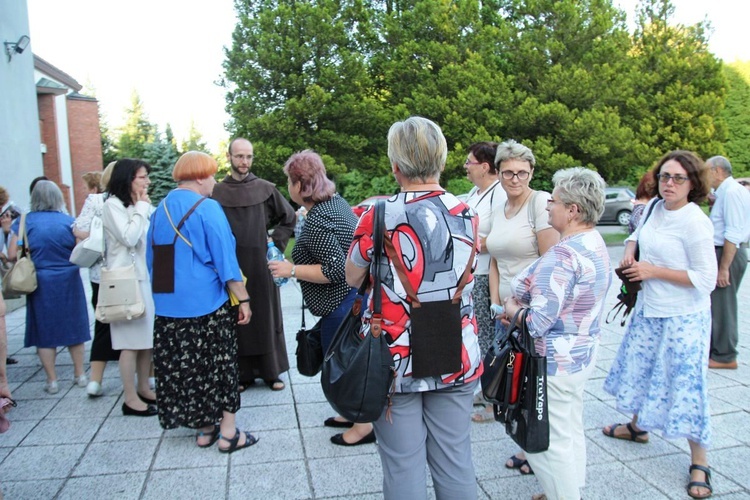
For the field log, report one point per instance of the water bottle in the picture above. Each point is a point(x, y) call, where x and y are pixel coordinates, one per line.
point(274, 253)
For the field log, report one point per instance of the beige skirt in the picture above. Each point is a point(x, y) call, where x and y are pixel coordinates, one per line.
point(136, 334)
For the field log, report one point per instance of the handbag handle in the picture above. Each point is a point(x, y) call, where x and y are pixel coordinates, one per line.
point(23, 236)
point(377, 250)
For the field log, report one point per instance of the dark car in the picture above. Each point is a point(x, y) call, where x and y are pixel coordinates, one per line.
point(618, 205)
point(363, 205)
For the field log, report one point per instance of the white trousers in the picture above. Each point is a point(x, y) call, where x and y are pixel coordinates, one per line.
point(561, 469)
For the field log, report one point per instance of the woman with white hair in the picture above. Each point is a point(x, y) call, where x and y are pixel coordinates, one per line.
point(564, 293)
point(56, 313)
point(434, 238)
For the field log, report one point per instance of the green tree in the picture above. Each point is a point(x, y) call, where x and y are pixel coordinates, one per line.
point(161, 154)
point(298, 78)
point(736, 115)
point(678, 87)
point(194, 141)
point(137, 131)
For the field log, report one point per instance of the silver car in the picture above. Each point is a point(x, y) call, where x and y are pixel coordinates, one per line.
point(618, 205)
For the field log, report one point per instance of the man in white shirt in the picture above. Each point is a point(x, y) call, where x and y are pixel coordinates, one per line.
point(730, 216)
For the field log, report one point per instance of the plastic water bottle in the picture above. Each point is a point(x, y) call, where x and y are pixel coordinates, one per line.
point(274, 253)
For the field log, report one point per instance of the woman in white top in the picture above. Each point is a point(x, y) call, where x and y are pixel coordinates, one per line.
point(660, 372)
point(101, 347)
point(486, 198)
point(520, 233)
point(126, 218)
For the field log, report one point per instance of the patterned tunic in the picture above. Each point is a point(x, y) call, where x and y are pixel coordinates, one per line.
point(434, 233)
point(565, 290)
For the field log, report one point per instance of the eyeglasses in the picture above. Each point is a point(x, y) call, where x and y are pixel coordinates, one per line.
point(678, 179)
point(521, 174)
point(243, 157)
point(467, 162)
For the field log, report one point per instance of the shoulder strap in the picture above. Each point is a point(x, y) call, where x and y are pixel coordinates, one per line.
point(490, 190)
point(182, 221)
point(637, 253)
point(532, 211)
point(22, 235)
point(401, 273)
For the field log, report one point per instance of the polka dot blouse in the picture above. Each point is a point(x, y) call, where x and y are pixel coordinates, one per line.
point(325, 240)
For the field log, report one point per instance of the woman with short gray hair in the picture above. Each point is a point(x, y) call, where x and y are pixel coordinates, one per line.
point(437, 369)
point(56, 313)
point(564, 292)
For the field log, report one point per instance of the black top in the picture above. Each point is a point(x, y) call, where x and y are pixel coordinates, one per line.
point(325, 240)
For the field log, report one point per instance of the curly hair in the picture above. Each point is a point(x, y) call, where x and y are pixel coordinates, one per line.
point(696, 170)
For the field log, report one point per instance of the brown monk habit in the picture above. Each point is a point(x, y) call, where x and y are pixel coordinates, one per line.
point(254, 206)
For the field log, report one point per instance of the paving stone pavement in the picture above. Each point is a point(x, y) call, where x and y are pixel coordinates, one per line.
point(69, 446)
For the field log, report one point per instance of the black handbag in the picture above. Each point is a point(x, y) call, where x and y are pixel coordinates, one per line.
point(309, 348)
point(629, 289)
point(527, 419)
point(501, 363)
point(358, 371)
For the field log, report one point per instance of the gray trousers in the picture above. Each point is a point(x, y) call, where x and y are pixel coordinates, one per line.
point(724, 328)
point(431, 428)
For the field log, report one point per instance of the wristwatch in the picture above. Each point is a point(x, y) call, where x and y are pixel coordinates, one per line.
point(294, 272)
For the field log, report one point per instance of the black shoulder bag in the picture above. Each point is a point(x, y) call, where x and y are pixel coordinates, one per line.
point(358, 372)
point(629, 289)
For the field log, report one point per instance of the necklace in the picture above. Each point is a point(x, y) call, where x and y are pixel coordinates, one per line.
point(519, 207)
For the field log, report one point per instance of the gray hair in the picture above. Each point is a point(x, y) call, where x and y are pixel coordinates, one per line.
point(47, 197)
point(512, 150)
point(418, 147)
point(720, 162)
point(583, 188)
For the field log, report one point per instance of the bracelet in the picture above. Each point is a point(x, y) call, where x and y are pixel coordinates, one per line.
point(293, 273)
point(243, 301)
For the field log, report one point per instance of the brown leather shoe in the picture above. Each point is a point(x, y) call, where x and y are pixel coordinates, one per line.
point(718, 365)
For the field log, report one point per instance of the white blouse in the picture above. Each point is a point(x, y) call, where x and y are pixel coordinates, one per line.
point(677, 239)
point(486, 205)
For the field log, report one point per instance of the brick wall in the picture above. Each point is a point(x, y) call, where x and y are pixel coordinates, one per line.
point(48, 130)
point(85, 142)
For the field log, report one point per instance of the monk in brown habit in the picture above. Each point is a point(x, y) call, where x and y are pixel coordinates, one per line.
point(253, 207)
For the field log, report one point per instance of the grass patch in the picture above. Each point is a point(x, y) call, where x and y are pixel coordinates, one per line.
point(615, 239)
point(288, 250)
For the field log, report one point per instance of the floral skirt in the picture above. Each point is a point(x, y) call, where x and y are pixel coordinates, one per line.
point(660, 373)
point(195, 364)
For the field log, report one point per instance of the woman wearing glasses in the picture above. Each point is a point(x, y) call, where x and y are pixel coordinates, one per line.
point(520, 234)
point(659, 374)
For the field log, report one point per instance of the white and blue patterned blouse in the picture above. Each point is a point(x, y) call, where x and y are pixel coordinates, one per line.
point(565, 290)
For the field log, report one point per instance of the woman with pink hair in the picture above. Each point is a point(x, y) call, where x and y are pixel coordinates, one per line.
point(319, 256)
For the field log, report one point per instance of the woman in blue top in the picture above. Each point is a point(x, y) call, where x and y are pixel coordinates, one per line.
point(56, 313)
point(195, 346)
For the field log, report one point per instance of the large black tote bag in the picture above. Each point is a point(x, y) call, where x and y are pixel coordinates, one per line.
point(527, 420)
point(358, 372)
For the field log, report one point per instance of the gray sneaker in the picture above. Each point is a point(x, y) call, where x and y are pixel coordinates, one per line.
point(81, 381)
point(51, 387)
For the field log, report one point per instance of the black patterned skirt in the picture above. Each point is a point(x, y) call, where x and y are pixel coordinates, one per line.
point(195, 364)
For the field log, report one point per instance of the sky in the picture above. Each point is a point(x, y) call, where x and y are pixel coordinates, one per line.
point(171, 52)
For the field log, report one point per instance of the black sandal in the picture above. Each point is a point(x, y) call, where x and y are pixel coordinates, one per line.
point(700, 484)
point(234, 442)
point(636, 436)
point(517, 463)
point(214, 436)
